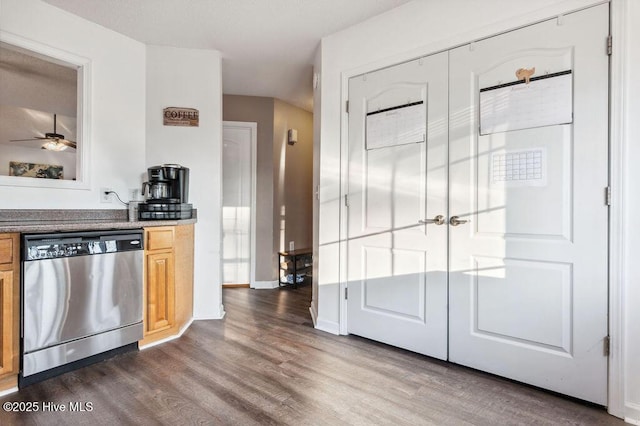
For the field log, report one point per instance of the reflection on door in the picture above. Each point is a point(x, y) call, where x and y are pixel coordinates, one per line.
point(236, 205)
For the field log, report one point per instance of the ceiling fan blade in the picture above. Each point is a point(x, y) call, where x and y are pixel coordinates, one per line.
point(35, 138)
point(70, 144)
point(56, 138)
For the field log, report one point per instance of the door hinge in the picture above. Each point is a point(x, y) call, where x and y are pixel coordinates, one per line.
point(347, 107)
point(607, 345)
point(346, 293)
point(609, 45)
point(318, 192)
point(346, 200)
point(607, 195)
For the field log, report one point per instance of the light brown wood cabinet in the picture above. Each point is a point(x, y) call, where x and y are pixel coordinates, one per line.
point(168, 281)
point(9, 309)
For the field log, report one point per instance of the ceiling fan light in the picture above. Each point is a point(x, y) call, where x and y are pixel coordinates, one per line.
point(54, 146)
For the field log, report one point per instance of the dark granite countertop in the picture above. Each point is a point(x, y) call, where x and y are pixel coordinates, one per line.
point(29, 221)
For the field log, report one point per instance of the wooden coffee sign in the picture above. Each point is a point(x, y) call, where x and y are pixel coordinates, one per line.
point(189, 117)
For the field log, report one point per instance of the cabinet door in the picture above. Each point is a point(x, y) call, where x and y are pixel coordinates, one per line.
point(160, 292)
point(8, 312)
point(160, 238)
point(8, 251)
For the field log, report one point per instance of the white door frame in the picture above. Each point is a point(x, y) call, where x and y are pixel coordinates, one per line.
point(619, 180)
point(253, 127)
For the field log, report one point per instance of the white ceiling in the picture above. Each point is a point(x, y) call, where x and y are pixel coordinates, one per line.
point(17, 60)
point(267, 45)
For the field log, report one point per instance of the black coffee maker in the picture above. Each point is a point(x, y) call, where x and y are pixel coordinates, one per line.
point(167, 192)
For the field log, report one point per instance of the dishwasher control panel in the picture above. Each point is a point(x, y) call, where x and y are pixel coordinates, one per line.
point(61, 244)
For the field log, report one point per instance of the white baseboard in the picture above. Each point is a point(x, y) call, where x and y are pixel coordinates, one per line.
point(9, 391)
point(221, 311)
point(264, 284)
point(314, 315)
point(170, 338)
point(632, 413)
point(328, 326)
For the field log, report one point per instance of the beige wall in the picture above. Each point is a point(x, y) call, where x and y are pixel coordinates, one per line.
point(284, 176)
point(292, 178)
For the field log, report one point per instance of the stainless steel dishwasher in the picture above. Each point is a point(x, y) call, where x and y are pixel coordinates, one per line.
point(81, 296)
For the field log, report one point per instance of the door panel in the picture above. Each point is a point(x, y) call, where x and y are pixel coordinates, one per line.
point(536, 296)
point(160, 292)
point(7, 321)
point(528, 272)
point(543, 153)
point(391, 199)
point(389, 294)
point(396, 270)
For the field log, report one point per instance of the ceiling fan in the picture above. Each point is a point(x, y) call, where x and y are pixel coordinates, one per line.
point(54, 141)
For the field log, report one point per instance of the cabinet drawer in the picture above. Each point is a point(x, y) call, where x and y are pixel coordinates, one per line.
point(160, 239)
point(6, 250)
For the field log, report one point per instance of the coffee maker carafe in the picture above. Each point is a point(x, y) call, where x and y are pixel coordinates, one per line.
point(167, 192)
point(158, 191)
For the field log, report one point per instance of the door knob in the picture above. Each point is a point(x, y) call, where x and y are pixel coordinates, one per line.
point(438, 220)
point(455, 221)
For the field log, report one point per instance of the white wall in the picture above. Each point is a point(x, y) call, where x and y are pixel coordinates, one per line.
point(192, 78)
point(422, 27)
point(117, 110)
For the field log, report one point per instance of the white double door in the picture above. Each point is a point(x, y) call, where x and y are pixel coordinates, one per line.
point(516, 283)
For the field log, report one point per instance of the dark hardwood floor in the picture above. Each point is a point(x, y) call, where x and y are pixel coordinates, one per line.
point(265, 364)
